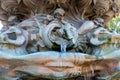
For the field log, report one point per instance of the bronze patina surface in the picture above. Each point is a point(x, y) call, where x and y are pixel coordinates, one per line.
point(59, 40)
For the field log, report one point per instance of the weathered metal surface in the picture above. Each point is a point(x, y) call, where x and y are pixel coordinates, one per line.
point(58, 39)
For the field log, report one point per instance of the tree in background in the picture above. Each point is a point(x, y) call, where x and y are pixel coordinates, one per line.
point(114, 24)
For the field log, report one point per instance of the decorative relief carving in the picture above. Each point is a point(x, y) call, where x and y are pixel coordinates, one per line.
point(58, 39)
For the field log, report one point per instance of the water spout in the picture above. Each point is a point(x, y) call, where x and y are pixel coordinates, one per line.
point(63, 47)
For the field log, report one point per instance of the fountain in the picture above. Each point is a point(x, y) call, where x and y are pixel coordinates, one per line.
point(59, 40)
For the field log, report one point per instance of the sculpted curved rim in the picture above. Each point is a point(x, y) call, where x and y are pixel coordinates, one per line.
point(46, 33)
point(48, 64)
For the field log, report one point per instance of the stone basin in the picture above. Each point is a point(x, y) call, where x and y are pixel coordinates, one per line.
point(54, 65)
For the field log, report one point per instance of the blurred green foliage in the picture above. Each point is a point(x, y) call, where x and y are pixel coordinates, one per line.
point(114, 24)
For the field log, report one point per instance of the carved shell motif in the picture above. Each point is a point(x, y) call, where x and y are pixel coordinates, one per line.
point(92, 9)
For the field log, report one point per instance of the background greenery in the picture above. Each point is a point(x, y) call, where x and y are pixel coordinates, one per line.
point(114, 24)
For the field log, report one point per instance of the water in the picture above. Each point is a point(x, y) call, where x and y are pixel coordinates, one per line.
point(63, 47)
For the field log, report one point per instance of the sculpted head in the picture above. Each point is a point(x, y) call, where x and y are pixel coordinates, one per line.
point(100, 36)
point(13, 36)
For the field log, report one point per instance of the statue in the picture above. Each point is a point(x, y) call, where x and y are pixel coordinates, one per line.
point(59, 40)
